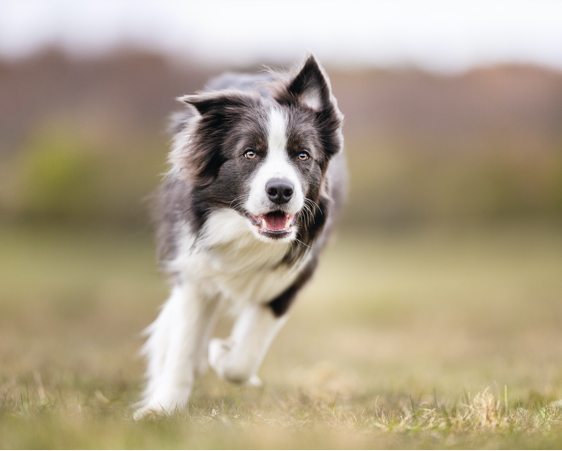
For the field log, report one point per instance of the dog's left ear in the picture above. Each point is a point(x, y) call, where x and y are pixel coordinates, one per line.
point(310, 87)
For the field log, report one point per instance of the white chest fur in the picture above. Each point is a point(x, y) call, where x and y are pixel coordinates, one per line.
point(227, 259)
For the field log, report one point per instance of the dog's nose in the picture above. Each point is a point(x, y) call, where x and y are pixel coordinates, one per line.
point(279, 191)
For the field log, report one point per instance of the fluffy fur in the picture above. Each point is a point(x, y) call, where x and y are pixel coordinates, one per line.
point(256, 181)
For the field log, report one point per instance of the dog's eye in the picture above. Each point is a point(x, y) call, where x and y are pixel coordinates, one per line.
point(303, 156)
point(250, 154)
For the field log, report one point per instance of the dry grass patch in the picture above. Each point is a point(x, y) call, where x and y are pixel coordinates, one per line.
point(431, 339)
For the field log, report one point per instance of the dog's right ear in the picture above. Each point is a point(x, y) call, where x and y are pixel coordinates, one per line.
point(209, 102)
point(202, 103)
point(198, 143)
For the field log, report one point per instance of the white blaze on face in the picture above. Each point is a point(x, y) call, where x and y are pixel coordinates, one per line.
point(277, 138)
point(276, 165)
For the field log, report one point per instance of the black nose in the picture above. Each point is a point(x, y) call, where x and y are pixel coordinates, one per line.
point(279, 191)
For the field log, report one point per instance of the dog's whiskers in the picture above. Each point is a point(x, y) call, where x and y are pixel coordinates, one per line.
point(313, 204)
point(243, 196)
point(304, 244)
point(308, 210)
point(238, 205)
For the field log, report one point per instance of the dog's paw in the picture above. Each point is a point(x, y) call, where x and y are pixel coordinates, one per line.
point(227, 367)
point(254, 381)
point(150, 410)
point(218, 348)
point(161, 404)
point(154, 409)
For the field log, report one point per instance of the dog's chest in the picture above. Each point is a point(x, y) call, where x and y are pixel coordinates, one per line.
point(230, 261)
point(259, 285)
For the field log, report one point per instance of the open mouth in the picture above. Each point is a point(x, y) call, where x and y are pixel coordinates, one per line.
point(276, 224)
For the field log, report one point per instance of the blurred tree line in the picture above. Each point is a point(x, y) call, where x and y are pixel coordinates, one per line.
point(83, 141)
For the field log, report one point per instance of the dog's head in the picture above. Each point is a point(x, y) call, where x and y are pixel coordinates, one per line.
point(263, 156)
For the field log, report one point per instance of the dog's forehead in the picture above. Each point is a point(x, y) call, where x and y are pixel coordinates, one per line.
point(291, 121)
point(275, 125)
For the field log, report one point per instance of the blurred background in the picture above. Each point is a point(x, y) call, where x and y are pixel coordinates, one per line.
point(453, 111)
point(449, 256)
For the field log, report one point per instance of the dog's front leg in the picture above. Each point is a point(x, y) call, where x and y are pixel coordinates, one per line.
point(238, 358)
point(173, 349)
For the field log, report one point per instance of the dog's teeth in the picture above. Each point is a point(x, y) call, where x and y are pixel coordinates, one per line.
point(263, 224)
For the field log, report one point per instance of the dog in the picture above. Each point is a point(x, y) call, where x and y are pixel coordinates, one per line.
point(256, 182)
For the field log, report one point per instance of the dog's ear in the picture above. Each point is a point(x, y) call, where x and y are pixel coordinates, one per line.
point(209, 102)
point(310, 87)
point(198, 142)
point(200, 102)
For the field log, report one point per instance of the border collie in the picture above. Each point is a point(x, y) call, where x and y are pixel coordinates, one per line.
point(257, 178)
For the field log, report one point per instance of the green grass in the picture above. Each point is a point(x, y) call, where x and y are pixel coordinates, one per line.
point(424, 339)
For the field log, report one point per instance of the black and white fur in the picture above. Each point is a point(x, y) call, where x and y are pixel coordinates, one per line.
point(256, 181)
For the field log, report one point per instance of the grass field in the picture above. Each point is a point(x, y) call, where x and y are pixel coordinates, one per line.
point(435, 338)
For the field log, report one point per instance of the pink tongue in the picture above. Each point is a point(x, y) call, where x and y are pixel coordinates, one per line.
point(275, 221)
